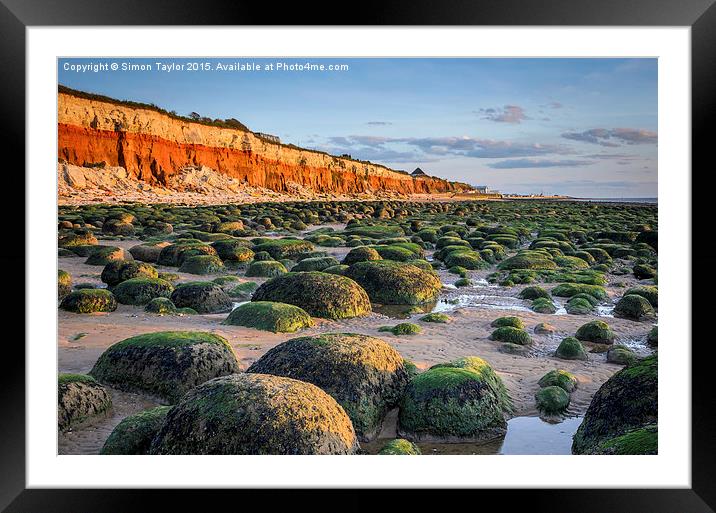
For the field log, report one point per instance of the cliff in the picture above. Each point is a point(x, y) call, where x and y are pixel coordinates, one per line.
point(153, 147)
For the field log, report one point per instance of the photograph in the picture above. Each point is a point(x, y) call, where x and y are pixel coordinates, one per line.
point(358, 256)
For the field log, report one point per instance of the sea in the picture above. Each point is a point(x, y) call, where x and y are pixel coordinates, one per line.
point(619, 200)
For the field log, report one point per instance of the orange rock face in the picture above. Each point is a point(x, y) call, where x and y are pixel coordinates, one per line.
point(83, 140)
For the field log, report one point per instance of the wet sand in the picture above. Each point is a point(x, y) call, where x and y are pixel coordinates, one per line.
point(83, 337)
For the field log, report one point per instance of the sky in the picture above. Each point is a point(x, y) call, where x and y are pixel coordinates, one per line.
point(578, 127)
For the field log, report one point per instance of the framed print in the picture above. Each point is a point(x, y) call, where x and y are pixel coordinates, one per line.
point(419, 256)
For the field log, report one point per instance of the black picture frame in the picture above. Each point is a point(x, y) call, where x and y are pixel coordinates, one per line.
point(17, 15)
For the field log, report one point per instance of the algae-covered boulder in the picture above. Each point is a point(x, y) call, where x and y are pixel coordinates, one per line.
point(653, 336)
point(89, 301)
point(644, 440)
point(395, 283)
point(148, 252)
point(361, 254)
point(533, 292)
point(64, 283)
point(635, 307)
point(201, 264)
point(314, 264)
point(650, 293)
point(512, 335)
point(400, 447)
point(284, 248)
point(118, 271)
point(203, 296)
point(364, 374)
point(438, 317)
point(270, 316)
point(552, 400)
point(643, 271)
point(166, 364)
point(77, 239)
point(256, 414)
point(135, 433)
point(559, 378)
point(233, 250)
point(620, 355)
point(572, 289)
point(265, 269)
point(544, 306)
point(320, 294)
point(598, 332)
point(79, 398)
point(571, 349)
point(140, 291)
point(461, 401)
point(103, 255)
point(513, 321)
point(544, 328)
point(161, 305)
point(625, 402)
point(404, 328)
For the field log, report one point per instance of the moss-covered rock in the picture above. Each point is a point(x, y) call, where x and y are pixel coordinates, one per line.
point(460, 401)
point(559, 378)
point(400, 447)
point(270, 316)
point(71, 240)
point(534, 292)
point(103, 255)
point(435, 317)
point(571, 349)
point(625, 402)
point(572, 289)
point(161, 305)
point(233, 250)
point(634, 307)
point(634, 442)
point(64, 283)
point(578, 306)
point(395, 283)
point(364, 374)
point(203, 296)
point(527, 260)
point(243, 290)
point(404, 328)
point(511, 320)
point(653, 337)
point(598, 332)
point(544, 328)
point(140, 291)
point(166, 364)
point(79, 398)
point(650, 293)
point(320, 294)
point(202, 264)
point(284, 248)
point(265, 269)
point(256, 414)
point(148, 252)
point(361, 254)
point(135, 433)
point(544, 306)
point(512, 335)
point(118, 271)
point(89, 301)
point(552, 400)
point(620, 355)
point(314, 264)
point(643, 271)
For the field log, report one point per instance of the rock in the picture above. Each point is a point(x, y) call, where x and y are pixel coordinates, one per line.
point(571, 349)
point(89, 301)
point(265, 269)
point(395, 283)
point(161, 305)
point(203, 296)
point(201, 264)
point(534, 292)
point(79, 398)
point(559, 378)
point(364, 374)
point(544, 328)
point(284, 248)
point(512, 335)
point(71, 240)
point(634, 307)
point(650, 293)
point(552, 400)
point(404, 328)
point(643, 440)
point(118, 271)
point(320, 294)
point(233, 250)
point(598, 332)
point(621, 355)
point(314, 264)
point(64, 283)
point(462, 401)
point(103, 255)
point(626, 401)
point(400, 446)
point(436, 317)
point(135, 433)
point(140, 291)
point(166, 364)
point(653, 337)
point(515, 322)
point(270, 316)
point(361, 254)
point(256, 414)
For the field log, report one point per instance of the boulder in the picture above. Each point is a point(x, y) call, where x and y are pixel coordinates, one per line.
point(79, 398)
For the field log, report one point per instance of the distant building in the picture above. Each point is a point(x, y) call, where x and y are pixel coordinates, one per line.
point(481, 189)
point(418, 172)
point(268, 137)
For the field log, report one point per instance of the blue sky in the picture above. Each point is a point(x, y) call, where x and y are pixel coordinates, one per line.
point(582, 127)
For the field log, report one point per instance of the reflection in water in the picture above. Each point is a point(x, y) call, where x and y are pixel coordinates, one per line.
point(525, 435)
